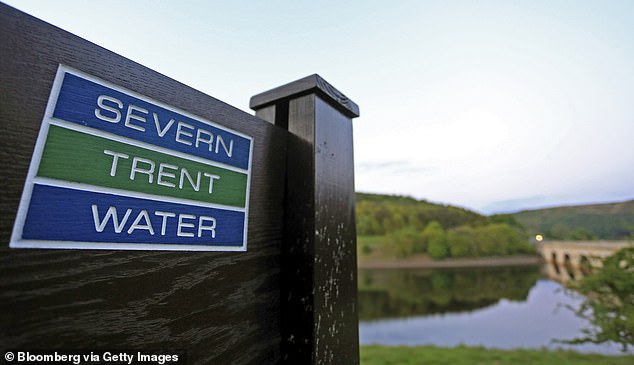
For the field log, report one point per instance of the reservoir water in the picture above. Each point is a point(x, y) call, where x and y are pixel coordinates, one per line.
point(497, 307)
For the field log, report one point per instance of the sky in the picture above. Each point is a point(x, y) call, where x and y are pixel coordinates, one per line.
point(495, 106)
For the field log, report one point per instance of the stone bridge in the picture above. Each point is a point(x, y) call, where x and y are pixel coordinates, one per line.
point(570, 260)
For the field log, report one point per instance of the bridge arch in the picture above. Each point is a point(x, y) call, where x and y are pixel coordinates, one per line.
point(585, 265)
point(569, 260)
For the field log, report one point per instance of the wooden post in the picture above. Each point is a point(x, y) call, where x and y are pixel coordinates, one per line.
point(319, 271)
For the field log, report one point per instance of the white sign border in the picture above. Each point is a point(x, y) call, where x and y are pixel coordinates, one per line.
point(16, 237)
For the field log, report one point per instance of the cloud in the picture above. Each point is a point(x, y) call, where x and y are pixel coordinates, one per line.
point(393, 167)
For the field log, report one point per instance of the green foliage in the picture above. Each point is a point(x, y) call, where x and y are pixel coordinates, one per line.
point(366, 250)
point(384, 214)
point(369, 244)
point(411, 226)
point(462, 242)
point(370, 240)
point(490, 240)
point(463, 355)
point(582, 234)
point(495, 239)
point(558, 231)
point(501, 239)
point(508, 219)
point(609, 306)
point(436, 241)
point(438, 249)
point(585, 222)
point(404, 241)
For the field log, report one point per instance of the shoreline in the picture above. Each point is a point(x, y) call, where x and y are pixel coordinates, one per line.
point(524, 260)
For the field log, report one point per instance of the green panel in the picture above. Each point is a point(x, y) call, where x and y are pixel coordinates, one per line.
point(79, 157)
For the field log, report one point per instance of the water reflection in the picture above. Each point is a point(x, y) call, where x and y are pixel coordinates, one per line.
point(414, 292)
point(566, 272)
point(509, 307)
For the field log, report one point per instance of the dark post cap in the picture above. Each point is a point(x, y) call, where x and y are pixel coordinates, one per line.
point(309, 84)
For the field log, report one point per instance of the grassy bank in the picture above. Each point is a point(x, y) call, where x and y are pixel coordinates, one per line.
point(462, 355)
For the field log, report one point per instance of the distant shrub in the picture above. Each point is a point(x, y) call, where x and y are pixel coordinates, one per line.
point(404, 241)
point(436, 241)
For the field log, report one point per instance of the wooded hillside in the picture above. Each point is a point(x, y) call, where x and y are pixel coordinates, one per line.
point(614, 221)
point(409, 226)
point(379, 214)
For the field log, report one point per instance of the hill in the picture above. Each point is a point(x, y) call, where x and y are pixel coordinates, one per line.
point(379, 214)
point(400, 226)
point(614, 221)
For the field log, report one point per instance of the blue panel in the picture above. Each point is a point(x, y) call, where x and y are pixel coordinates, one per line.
point(62, 214)
point(77, 102)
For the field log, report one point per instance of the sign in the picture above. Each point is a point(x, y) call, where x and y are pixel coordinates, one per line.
point(113, 169)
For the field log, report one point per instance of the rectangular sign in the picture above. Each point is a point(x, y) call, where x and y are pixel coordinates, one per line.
point(113, 169)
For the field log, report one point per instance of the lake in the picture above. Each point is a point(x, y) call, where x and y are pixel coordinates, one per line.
point(496, 307)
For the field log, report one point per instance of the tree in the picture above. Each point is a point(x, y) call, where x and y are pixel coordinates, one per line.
point(489, 241)
point(558, 231)
point(460, 242)
point(403, 242)
point(582, 234)
point(609, 306)
point(435, 238)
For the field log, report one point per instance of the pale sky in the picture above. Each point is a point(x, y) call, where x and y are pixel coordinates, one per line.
point(496, 106)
